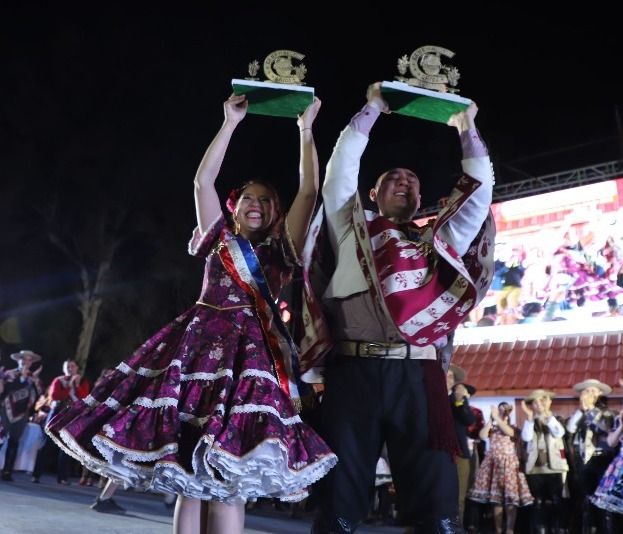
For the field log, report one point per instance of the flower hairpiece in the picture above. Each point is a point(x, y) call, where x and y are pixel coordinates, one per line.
point(232, 199)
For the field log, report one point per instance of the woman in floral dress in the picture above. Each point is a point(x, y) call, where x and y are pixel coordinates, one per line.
point(208, 408)
point(500, 481)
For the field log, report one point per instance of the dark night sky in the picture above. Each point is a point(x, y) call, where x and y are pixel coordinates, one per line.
point(132, 96)
point(157, 77)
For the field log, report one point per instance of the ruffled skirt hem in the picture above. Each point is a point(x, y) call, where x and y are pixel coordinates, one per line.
point(217, 474)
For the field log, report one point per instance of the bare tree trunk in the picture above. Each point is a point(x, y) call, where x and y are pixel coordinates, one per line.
point(89, 308)
point(90, 303)
point(91, 295)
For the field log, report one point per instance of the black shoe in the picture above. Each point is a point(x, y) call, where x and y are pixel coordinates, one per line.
point(7, 477)
point(64, 482)
point(107, 506)
point(332, 525)
point(450, 525)
point(35, 480)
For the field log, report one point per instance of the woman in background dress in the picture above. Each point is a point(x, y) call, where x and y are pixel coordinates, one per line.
point(500, 481)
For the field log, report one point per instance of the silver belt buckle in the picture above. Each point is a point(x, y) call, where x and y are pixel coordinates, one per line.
point(372, 346)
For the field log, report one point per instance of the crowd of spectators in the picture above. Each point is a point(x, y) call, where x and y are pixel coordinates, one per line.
point(551, 476)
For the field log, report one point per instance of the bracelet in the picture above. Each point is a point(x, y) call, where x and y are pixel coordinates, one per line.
point(303, 129)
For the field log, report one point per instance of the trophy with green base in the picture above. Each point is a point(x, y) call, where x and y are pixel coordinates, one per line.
point(283, 93)
point(430, 93)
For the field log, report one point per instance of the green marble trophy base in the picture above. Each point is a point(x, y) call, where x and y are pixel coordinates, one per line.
point(274, 99)
point(422, 103)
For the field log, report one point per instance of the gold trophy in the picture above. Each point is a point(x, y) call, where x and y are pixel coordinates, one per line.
point(430, 92)
point(283, 93)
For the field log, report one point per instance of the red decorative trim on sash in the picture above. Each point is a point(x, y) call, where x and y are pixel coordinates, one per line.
point(317, 341)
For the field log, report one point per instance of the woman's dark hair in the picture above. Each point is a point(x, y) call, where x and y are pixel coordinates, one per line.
point(68, 361)
point(506, 407)
point(531, 308)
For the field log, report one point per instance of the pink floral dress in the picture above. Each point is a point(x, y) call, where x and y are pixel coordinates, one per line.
point(201, 408)
point(499, 479)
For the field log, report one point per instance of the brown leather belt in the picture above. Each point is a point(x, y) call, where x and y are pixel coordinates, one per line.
point(391, 351)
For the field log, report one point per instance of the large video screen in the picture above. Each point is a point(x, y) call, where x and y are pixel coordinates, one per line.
point(559, 259)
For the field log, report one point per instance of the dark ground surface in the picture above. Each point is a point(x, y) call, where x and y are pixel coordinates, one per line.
point(51, 508)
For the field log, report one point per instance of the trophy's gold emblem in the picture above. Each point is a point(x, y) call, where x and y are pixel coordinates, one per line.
point(282, 93)
point(427, 70)
point(279, 67)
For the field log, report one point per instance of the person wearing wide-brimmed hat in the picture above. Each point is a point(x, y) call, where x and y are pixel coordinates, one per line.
point(546, 466)
point(590, 425)
point(456, 374)
point(19, 390)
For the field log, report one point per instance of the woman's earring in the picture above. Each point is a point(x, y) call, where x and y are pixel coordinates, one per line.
point(236, 227)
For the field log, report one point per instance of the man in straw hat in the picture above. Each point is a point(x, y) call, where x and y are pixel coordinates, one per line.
point(455, 374)
point(589, 426)
point(19, 390)
point(546, 466)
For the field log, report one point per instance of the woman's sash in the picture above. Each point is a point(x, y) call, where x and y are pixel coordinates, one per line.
point(242, 264)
